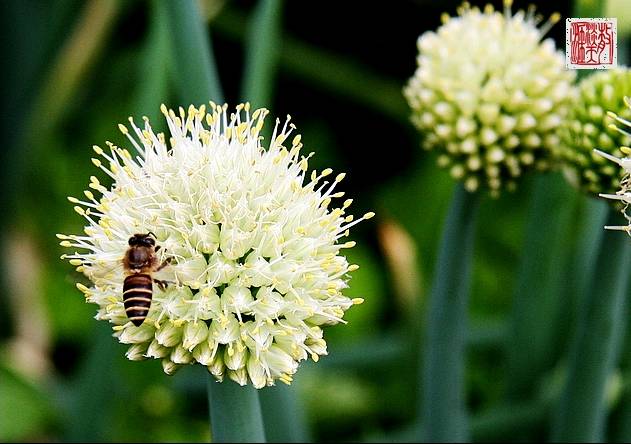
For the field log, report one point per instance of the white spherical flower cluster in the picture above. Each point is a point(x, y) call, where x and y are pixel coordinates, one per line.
point(489, 95)
point(254, 267)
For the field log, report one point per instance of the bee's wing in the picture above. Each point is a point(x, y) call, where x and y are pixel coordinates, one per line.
point(108, 270)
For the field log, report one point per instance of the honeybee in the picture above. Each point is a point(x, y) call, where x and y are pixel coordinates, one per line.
point(139, 262)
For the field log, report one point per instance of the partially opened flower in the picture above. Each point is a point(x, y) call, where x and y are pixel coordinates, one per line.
point(588, 127)
point(489, 95)
point(240, 240)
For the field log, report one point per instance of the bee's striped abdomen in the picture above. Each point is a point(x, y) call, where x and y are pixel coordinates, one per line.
point(137, 292)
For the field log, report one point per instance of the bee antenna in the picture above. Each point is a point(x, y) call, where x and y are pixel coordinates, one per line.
point(151, 233)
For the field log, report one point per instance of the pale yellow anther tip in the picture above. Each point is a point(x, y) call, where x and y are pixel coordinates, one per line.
point(555, 17)
point(82, 287)
point(340, 177)
point(625, 150)
point(72, 199)
point(123, 129)
point(358, 301)
point(444, 18)
point(369, 215)
point(612, 114)
point(612, 126)
point(326, 172)
point(96, 162)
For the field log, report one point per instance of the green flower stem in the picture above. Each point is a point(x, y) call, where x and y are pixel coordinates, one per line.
point(591, 219)
point(443, 411)
point(537, 307)
point(623, 430)
point(193, 70)
point(329, 71)
point(588, 8)
point(582, 410)
point(235, 412)
point(154, 65)
point(510, 419)
point(92, 389)
point(262, 53)
point(283, 414)
point(620, 429)
point(78, 55)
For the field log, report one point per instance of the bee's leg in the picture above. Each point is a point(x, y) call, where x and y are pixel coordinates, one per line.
point(157, 248)
point(162, 284)
point(166, 262)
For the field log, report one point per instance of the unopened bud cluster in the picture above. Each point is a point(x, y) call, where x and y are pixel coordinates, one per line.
point(489, 96)
point(590, 125)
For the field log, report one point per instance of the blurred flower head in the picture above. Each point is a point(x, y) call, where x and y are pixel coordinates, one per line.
point(588, 127)
point(489, 95)
point(255, 268)
point(623, 194)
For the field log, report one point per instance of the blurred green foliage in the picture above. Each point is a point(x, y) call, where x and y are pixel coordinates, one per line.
point(76, 68)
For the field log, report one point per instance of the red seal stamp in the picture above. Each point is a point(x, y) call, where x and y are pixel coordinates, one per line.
point(591, 43)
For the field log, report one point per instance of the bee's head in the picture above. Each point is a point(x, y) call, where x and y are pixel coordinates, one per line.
point(145, 240)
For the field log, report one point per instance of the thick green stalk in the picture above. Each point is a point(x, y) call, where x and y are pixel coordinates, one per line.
point(620, 429)
point(193, 70)
point(443, 410)
point(235, 412)
point(329, 71)
point(536, 304)
point(74, 61)
point(154, 65)
point(591, 218)
point(588, 8)
point(582, 410)
point(283, 414)
point(262, 53)
point(91, 393)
